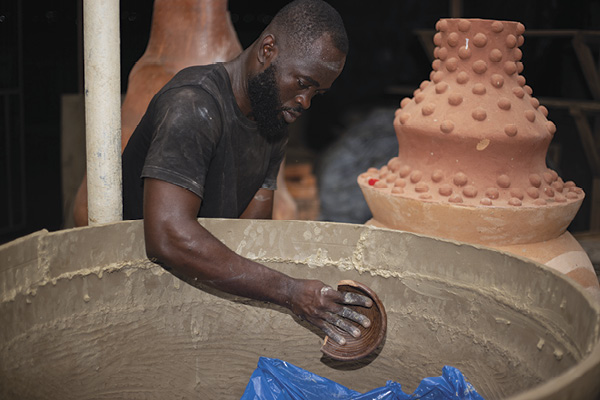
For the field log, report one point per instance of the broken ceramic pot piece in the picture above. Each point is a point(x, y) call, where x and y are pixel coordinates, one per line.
point(370, 338)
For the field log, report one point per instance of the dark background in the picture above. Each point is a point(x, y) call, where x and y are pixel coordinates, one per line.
point(39, 61)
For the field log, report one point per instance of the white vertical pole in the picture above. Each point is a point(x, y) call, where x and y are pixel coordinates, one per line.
point(102, 110)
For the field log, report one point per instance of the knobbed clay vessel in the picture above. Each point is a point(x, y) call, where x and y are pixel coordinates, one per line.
point(471, 163)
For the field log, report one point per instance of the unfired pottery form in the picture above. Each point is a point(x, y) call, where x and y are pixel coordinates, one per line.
point(84, 314)
point(183, 33)
point(471, 163)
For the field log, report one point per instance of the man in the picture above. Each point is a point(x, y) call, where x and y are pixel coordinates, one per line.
point(210, 145)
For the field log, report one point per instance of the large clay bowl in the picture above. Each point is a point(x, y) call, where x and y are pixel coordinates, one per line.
point(84, 314)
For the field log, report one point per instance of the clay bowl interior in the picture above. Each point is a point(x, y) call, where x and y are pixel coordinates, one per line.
point(370, 337)
point(85, 315)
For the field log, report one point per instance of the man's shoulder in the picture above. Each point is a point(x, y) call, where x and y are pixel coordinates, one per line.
point(203, 84)
point(207, 77)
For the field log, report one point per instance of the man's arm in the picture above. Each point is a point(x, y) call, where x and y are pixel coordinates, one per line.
point(176, 239)
point(261, 205)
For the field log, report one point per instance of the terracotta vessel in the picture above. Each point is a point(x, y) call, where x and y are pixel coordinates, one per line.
point(472, 147)
point(370, 338)
point(183, 33)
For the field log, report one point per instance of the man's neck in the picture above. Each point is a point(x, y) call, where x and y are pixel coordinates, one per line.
point(239, 82)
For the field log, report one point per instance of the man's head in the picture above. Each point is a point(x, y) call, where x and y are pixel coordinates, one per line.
point(302, 22)
point(301, 53)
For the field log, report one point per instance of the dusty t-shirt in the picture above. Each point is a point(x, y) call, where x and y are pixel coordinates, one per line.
point(195, 136)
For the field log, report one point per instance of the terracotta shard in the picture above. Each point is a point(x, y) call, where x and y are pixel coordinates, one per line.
point(370, 338)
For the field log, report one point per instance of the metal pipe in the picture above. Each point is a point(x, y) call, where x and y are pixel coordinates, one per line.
point(102, 110)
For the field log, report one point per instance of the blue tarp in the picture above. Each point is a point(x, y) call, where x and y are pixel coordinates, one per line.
point(278, 380)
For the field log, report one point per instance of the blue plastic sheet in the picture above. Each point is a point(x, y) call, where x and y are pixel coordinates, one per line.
point(278, 380)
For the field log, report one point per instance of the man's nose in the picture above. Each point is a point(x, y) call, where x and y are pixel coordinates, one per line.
point(304, 100)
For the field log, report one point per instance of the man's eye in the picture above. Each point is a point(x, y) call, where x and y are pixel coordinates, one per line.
point(301, 84)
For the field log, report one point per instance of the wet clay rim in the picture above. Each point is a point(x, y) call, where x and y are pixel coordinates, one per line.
point(370, 338)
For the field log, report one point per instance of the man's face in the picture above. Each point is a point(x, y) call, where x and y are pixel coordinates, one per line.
point(280, 93)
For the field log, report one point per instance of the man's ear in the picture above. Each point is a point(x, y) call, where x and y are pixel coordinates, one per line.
point(267, 50)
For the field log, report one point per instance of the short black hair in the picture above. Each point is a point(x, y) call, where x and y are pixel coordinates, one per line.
point(304, 21)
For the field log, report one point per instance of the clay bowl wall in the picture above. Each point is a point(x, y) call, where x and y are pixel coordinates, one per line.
point(84, 314)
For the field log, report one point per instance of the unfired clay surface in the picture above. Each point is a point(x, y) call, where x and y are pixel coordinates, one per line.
point(474, 136)
point(85, 315)
point(472, 148)
point(184, 33)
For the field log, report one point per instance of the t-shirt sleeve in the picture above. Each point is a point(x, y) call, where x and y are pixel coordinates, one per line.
point(188, 129)
point(277, 154)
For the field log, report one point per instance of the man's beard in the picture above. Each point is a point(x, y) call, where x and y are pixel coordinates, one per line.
point(266, 105)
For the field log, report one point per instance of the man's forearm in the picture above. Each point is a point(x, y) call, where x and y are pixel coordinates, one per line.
point(197, 254)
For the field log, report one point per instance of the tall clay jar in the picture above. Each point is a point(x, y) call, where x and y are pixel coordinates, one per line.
point(183, 33)
point(472, 148)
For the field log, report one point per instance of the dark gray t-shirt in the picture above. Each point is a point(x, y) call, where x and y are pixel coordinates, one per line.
point(195, 136)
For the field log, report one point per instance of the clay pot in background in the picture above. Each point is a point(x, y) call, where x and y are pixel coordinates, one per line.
point(183, 33)
point(471, 164)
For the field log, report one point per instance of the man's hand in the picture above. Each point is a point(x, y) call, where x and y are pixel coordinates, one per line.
point(323, 306)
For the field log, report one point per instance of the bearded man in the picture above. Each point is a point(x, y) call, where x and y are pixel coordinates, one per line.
point(210, 145)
